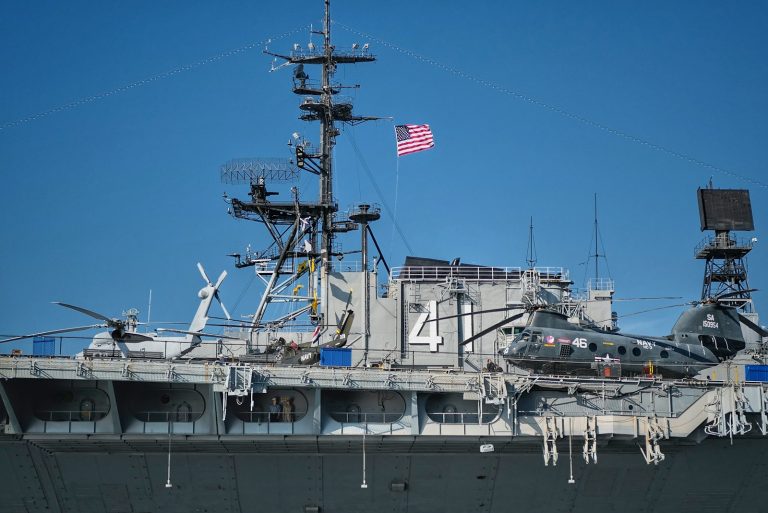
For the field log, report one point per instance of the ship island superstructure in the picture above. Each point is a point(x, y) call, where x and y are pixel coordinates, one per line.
point(351, 389)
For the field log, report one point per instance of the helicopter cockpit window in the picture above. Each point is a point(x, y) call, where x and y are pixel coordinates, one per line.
point(535, 344)
point(522, 337)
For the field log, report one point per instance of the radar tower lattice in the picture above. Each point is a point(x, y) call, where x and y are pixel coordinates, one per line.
point(725, 272)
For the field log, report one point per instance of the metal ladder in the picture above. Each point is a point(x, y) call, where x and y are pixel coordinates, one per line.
point(590, 440)
point(653, 433)
point(493, 388)
point(551, 434)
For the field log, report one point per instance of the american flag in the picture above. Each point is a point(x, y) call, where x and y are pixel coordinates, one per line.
point(413, 138)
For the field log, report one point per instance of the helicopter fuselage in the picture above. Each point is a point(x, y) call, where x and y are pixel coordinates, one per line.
point(586, 351)
point(701, 338)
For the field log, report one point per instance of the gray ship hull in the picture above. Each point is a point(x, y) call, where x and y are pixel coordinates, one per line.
point(289, 474)
point(96, 436)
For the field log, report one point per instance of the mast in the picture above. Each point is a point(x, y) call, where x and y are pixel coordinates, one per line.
point(599, 289)
point(597, 282)
point(364, 215)
point(326, 143)
point(296, 225)
point(530, 256)
point(597, 236)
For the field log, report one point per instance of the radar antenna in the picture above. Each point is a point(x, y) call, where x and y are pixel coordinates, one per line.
point(723, 211)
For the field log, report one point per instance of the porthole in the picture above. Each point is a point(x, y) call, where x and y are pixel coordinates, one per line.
point(622, 350)
point(592, 347)
point(664, 354)
point(636, 351)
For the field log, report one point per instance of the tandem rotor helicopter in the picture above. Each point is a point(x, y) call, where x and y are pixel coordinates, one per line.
point(123, 341)
point(704, 335)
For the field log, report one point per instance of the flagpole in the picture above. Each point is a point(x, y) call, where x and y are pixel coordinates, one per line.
point(394, 211)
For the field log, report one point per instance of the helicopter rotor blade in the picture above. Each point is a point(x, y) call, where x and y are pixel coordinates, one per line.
point(53, 332)
point(221, 304)
point(734, 293)
point(504, 309)
point(197, 333)
point(754, 327)
point(157, 323)
point(679, 305)
point(218, 297)
point(644, 298)
point(492, 328)
point(202, 273)
point(90, 313)
point(131, 337)
point(221, 279)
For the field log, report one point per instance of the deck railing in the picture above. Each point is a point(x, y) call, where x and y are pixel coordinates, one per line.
point(471, 273)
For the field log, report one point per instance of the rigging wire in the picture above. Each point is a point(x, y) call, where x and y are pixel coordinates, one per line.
point(384, 204)
point(648, 310)
point(243, 293)
point(554, 108)
point(148, 80)
point(397, 189)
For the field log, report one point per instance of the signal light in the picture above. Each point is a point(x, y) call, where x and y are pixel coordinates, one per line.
point(300, 156)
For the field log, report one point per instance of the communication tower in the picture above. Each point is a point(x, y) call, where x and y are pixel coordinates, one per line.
point(303, 232)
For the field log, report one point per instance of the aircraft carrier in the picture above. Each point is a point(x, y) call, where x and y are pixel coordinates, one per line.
point(357, 386)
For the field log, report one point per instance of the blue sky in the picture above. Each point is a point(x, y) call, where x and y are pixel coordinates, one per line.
point(104, 201)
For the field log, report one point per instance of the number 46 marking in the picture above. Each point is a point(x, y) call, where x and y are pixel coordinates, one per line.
point(580, 343)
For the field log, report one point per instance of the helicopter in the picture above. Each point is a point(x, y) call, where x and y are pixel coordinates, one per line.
point(123, 341)
point(308, 353)
point(704, 335)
